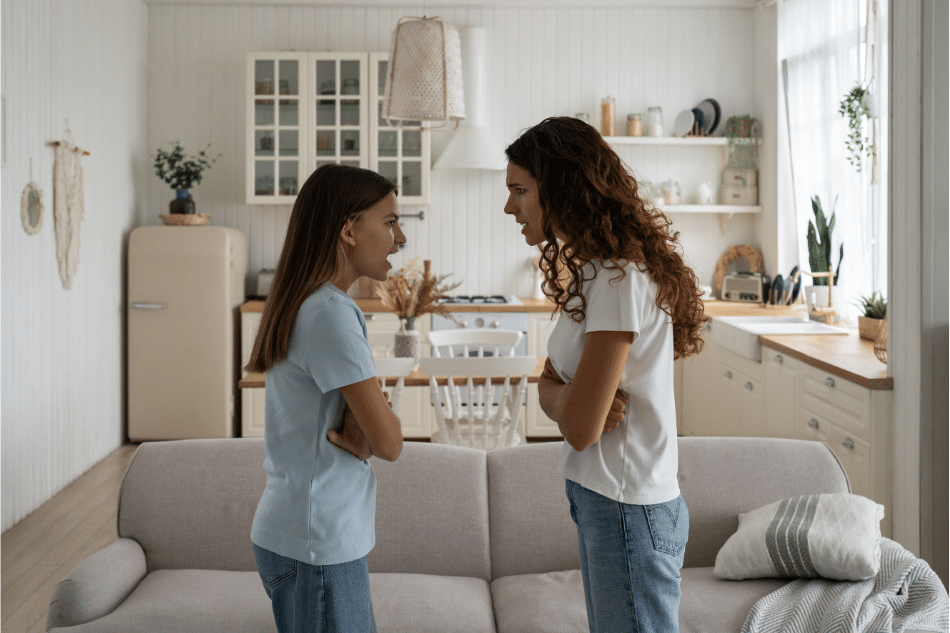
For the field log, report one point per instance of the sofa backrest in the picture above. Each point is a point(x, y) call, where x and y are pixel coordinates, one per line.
point(723, 477)
point(531, 527)
point(190, 503)
point(432, 512)
point(720, 477)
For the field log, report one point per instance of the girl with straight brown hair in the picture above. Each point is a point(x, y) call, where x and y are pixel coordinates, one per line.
point(325, 413)
point(628, 306)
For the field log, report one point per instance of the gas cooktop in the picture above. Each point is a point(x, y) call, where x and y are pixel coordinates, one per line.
point(481, 300)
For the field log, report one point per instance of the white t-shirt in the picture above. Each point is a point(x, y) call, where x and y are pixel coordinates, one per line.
point(635, 463)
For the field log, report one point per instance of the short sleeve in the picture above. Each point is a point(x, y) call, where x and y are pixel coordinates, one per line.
point(335, 350)
point(617, 305)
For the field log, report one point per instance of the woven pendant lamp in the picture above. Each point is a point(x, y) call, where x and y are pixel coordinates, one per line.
point(424, 82)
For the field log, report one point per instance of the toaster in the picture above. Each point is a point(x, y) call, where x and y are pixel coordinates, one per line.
point(745, 287)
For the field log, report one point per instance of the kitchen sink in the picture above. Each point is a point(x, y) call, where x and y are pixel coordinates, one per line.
point(741, 333)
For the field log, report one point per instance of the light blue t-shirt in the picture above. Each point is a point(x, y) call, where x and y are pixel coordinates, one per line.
point(319, 505)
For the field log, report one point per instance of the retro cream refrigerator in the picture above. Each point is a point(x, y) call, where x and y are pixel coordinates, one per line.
point(186, 284)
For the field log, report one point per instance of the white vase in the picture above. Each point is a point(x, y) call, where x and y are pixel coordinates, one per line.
point(407, 339)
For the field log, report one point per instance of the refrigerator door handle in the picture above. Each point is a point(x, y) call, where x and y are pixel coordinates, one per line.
point(141, 305)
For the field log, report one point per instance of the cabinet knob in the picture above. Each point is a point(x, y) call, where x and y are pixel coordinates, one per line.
point(728, 375)
point(370, 317)
point(496, 324)
point(707, 327)
point(748, 386)
point(848, 443)
point(779, 359)
point(813, 423)
point(463, 324)
point(830, 382)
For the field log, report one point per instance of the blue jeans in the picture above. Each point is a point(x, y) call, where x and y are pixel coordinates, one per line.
point(316, 598)
point(631, 558)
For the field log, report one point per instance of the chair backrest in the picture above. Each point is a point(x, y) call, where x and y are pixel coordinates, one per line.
point(382, 343)
point(394, 368)
point(478, 413)
point(469, 342)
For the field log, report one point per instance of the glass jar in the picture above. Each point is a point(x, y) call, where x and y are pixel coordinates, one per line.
point(671, 192)
point(634, 125)
point(607, 116)
point(655, 121)
point(583, 116)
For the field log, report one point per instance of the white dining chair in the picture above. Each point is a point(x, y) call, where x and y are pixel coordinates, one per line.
point(484, 415)
point(388, 366)
point(474, 342)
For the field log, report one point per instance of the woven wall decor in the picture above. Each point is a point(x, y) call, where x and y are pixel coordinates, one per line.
point(31, 208)
point(424, 81)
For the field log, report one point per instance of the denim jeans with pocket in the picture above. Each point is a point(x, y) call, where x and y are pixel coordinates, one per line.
point(631, 557)
point(316, 598)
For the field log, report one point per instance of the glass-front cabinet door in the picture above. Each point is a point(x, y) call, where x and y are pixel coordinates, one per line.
point(309, 109)
point(276, 145)
point(339, 109)
point(401, 154)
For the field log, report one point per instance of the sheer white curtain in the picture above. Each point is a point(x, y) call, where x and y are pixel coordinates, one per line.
point(822, 47)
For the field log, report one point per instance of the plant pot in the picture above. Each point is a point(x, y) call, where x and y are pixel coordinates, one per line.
point(407, 340)
point(815, 297)
point(869, 328)
point(183, 203)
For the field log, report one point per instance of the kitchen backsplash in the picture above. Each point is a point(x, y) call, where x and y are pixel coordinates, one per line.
point(540, 62)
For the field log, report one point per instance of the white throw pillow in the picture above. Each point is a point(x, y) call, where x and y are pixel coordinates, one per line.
point(833, 536)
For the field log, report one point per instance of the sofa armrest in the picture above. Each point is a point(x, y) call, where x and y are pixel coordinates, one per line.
point(97, 585)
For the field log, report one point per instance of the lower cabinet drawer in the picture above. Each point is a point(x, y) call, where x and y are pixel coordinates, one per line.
point(840, 401)
point(853, 452)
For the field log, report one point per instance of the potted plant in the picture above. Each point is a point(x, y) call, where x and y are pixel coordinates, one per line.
point(819, 253)
point(875, 311)
point(409, 294)
point(742, 126)
point(854, 108)
point(181, 173)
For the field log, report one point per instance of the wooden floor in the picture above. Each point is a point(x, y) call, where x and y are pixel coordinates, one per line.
point(43, 547)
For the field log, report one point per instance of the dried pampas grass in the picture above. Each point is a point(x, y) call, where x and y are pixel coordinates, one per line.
point(412, 293)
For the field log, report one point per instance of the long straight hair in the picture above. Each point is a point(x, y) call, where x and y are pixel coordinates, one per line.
point(587, 194)
point(313, 253)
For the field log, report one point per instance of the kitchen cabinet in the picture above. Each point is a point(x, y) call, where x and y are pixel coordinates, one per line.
point(537, 423)
point(695, 160)
point(781, 396)
point(307, 109)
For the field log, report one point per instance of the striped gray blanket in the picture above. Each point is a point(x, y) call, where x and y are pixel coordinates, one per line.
point(905, 596)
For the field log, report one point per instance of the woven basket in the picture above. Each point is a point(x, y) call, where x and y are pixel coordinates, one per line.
point(186, 219)
point(426, 61)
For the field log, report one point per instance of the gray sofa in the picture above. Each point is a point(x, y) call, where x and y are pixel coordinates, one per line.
point(466, 541)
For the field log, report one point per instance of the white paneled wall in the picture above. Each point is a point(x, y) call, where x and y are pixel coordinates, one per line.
point(62, 398)
point(541, 62)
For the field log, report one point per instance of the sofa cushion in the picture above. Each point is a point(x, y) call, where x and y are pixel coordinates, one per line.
point(554, 602)
point(432, 512)
point(551, 603)
point(531, 527)
point(190, 503)
point(190, 601)
point(712, 604)
point(723, 477)
point(420, 603)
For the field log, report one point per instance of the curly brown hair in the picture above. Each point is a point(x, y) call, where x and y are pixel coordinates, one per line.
point(589, 197)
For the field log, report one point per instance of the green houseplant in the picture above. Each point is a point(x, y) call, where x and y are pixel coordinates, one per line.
point(875, 311)
point(182, 172)
point(854, 108)
point(819, 243)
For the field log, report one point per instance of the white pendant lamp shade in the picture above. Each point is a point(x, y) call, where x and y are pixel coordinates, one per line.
point(473, 145)
point(424, 82)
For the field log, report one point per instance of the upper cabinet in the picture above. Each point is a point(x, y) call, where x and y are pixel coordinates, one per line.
point(305, 110)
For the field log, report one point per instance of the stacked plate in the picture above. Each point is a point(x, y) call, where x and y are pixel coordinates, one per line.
point(699, 121)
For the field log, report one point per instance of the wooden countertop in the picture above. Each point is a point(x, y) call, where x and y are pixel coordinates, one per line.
point(416, 379)
point(849, 357)
point(375, 305)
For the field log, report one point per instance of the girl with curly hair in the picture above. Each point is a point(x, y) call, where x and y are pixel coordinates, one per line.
point(627, 307)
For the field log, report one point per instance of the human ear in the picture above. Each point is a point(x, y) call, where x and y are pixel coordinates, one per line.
point(346, 234)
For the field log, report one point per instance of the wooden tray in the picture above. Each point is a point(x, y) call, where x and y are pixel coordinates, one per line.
point(186, 219)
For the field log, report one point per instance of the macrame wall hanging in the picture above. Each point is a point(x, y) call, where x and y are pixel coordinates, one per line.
point(31, 206)
point(67, 205)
